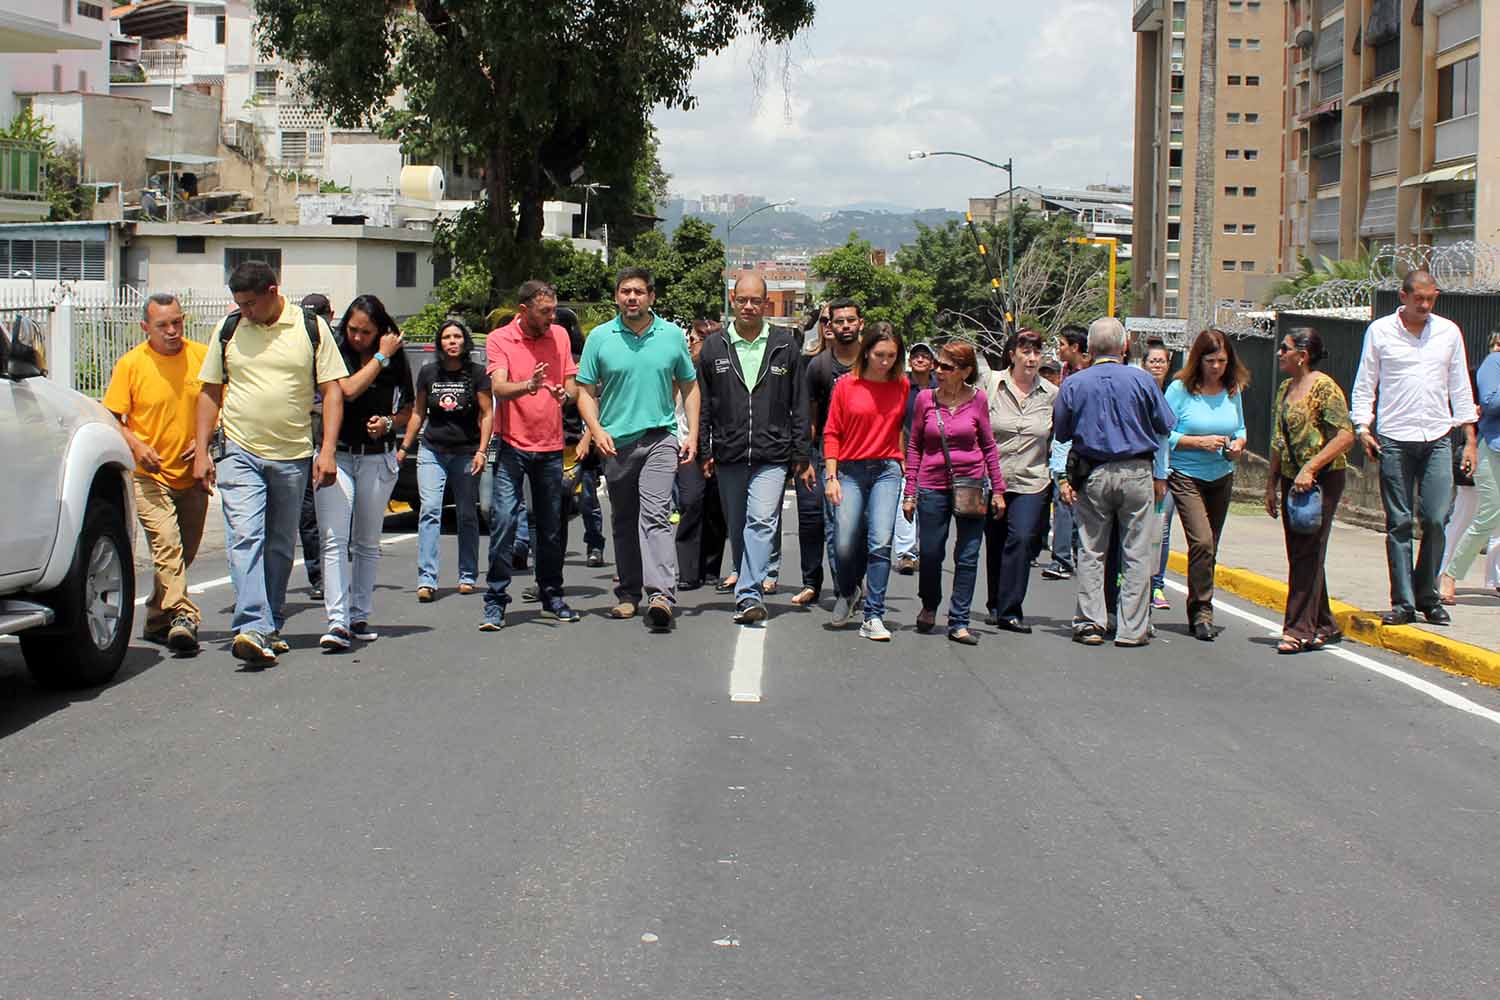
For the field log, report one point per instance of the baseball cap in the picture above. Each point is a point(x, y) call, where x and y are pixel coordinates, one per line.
point(922, 345)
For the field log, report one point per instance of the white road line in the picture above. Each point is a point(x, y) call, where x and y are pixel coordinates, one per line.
point(749, 664)
point(206, 585)
point(1434, 691)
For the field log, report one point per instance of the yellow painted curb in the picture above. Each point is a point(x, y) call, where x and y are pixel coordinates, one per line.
point(1363, 626)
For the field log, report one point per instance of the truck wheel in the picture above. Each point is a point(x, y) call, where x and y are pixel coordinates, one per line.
point(95, 606)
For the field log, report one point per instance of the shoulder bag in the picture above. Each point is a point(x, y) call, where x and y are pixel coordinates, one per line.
point(1303, 511)
point(970, 494)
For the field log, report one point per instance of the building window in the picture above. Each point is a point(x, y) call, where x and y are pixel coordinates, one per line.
point(83, 81)
point(192, 244)
point(1252, 117)
point(220, 29)
point(1234, 80)
point(67, 6)
point(1231, 118)
point(265, 82)
point(1248, 229)
point(315, 145)
point(1236, 6)
point(1235, 43)
point(94, 11)
point(1252, 154)
point(53, 260)
point(1252, 81)
point(406, 269)
point(1228, 265)
point(1231, 228)
point(1458, 89)
point(239, 255)
point(294, 145)
point(1250, 191)
point(1230, 191)
point(1253, 44)
point(1231, 154)
point(57, 78)
point(1170, 307)
point(1247, 265)
point(442, 268)
point(1252, 5)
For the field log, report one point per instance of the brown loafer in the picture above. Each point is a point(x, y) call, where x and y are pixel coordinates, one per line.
point(804, 597)
point(623, 610)
point(466, 588)
point(426, 594)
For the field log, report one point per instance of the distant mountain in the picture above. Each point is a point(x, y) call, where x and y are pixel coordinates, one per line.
point(885, 225)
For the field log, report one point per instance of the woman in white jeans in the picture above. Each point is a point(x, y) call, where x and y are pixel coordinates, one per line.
point(377, 404)
point(1483, 523)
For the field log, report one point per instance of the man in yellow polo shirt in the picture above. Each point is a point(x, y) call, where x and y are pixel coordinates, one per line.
point(260, 386)
point(154, 394)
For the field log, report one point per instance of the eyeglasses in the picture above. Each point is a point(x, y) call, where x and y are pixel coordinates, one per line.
point(745, 300)
point(1283, 349)
point(945, 366)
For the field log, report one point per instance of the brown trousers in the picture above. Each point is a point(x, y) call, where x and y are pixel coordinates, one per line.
point(1307, 612)
point(1202, 507)
point(173, 521)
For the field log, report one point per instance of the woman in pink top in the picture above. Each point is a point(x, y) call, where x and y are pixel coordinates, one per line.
point(958, 411)
point(862, 460)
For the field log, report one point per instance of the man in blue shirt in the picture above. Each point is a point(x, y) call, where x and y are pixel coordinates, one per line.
point(1117, 421)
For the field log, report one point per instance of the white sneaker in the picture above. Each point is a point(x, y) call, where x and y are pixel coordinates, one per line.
point(875, 630)
point(843, 607)
point(335, 639)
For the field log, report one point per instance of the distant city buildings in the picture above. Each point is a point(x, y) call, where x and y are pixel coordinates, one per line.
point(1102, 210)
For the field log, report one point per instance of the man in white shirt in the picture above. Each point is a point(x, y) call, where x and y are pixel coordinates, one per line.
point(1411, 391)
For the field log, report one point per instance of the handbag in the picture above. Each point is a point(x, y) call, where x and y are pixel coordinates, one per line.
point(1303, 511)
point(971, 495)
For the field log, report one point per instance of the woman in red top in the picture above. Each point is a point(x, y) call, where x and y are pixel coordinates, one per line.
point(862, 455)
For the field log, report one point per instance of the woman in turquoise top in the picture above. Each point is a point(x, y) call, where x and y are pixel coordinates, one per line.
point(1209, 437)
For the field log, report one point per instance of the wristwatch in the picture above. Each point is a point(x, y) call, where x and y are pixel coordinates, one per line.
point(385, 362)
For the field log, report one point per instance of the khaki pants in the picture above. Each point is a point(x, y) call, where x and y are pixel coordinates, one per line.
point(1202, 507)
point(173, 521)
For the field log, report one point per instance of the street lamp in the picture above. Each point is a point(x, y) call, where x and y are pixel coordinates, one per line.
point(1113, 244)
point(592, 187)
point(729, 232)
point(1010, 195)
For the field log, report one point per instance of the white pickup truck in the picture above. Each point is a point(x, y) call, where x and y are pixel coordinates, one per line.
point(67, 577)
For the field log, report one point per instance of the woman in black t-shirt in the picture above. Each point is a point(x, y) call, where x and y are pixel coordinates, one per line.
point(377, 401)
point(453, 412)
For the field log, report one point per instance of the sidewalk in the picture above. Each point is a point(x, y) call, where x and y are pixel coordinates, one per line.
point(1252, 564)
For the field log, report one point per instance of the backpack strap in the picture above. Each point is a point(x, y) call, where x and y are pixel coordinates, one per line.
point(226, 334)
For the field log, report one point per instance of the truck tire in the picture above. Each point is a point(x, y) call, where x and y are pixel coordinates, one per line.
point(95, 607)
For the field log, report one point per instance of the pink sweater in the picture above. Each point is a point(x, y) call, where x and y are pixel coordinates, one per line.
point(971, 442)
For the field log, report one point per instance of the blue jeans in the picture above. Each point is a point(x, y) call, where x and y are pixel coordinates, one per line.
point(934, 514)
point(1064, 532)
point(830, 522)
point(1427, 466)
point(752, 510)
point(862, 533)
point(544, 469)
point(435, 469)
point(1008, 543)
point(262, 502)
point(1169, 505)
point(904, 534)
point(589, 511)
point(811, 536)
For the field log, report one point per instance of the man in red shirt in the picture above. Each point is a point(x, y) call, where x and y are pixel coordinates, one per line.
point(531, 368)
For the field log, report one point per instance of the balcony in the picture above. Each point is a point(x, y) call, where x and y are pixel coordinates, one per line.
point(21, 170)
point(1177, 101)
point(1179, 26)
point(1456, 138)
point(1174, 248)
point(1174, 137)
point(1383, 158)
point(163, 62)
point(1174, 173)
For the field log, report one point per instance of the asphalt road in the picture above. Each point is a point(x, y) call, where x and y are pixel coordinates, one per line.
point(582, 811)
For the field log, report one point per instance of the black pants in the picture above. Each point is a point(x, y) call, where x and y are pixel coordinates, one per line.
point(312, 546)
point(701, 529)
point(811, 540)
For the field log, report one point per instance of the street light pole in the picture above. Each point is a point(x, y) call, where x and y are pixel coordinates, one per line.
point(1010, 195)
point(729, 232)
point(1113, 244)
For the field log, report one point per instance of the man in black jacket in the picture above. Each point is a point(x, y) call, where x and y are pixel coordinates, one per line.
point(754, 424)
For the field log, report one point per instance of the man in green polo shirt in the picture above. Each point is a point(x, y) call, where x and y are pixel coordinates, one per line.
point(630, 370)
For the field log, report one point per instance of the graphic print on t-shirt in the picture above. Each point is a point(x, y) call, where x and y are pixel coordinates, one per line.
point(451, 394)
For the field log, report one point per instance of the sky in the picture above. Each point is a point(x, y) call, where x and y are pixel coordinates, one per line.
point(1050, 84)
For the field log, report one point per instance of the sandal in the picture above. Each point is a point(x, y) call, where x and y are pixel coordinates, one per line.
point(1290, 645)
point(768, 587)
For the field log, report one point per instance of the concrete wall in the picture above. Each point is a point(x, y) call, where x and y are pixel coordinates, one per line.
point(362, 161)
point(116, 134)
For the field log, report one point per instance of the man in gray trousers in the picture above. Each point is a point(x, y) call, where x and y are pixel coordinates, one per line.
point(1117, 420)
point(631, 369)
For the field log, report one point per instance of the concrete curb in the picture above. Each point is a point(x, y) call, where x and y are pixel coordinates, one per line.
point(1363, 626)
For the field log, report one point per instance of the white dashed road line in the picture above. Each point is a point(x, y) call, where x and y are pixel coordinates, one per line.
point(749, 664)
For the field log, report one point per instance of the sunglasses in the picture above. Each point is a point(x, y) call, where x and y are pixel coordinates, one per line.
point(945, 366)
point(1283, 349)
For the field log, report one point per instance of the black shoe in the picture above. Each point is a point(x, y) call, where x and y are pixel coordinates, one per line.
point(315, 591)
point(519, 561)
point(1398, 616)
point(688, 585)
point(750, 613)
point(1056, 572)
point(531, 593)
point(1013, 625)
point(1203, 632)
point(1437, 615)
point(596, 557)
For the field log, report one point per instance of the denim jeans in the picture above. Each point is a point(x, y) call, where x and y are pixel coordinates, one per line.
point(543, 469)
point(1169, 505)
point(934, 514)
point(752, 509)
point(811, 535)
point(1427, 467)
point(864, 522)
point(830, 522)
point(589, 511)
point(350, 515)
point(1008, 542)
point(435, 469)
point(904, 534)
point(1064, 532)
point(262, 502)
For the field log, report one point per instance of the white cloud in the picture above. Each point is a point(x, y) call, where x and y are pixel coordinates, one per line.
point(1050, 85)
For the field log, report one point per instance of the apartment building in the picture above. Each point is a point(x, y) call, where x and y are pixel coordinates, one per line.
point(1247, 151)
point(1383, 109)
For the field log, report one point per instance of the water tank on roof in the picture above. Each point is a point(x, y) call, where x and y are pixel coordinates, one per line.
point(423, 183)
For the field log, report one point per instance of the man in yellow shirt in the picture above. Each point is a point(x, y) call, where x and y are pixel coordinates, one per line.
point(154, 394)
point(260, 385)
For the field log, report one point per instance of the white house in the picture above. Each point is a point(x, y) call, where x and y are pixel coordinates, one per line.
point(51, 45)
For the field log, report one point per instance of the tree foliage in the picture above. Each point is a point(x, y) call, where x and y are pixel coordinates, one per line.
point(688, 270)
point(902, 298)
point(539, 94)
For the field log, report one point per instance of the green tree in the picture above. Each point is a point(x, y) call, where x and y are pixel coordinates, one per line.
point(903, 298)
point(1309, 276)
point(688, 269)
point(540, 94)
